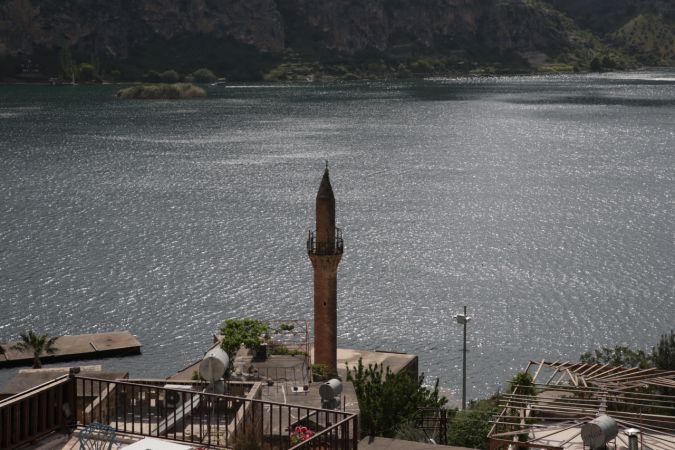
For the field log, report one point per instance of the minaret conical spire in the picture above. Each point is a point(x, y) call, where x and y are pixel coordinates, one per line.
point(325, 211)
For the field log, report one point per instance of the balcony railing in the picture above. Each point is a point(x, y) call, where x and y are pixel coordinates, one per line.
point(191, 416)
point(31, 414)
point(325, 248)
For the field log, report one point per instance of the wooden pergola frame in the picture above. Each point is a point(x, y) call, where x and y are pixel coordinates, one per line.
point(571, 394)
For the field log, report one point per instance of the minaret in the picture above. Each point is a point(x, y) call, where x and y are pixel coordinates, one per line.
point(325, 248)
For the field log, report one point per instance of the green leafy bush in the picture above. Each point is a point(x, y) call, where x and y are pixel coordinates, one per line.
point(204, 76)
point(319, 372)
point(470, 428)
point(387, 400)
point(283, 350)
point(523, 382)
point(169, 76)
point(87, 72)
point(246, 332)
point(617, 356)
point(152, 76)
point(161, 91)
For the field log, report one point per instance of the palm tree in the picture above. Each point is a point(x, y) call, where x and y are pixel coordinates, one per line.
point(36, 344)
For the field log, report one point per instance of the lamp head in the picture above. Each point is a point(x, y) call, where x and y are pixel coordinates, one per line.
point(462, 319)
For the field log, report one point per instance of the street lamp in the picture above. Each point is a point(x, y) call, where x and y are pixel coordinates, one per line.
point(462, 319)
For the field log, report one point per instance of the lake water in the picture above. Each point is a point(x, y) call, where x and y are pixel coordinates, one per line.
point(544, 204)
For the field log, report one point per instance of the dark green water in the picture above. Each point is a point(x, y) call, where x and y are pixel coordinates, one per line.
point(545, 204)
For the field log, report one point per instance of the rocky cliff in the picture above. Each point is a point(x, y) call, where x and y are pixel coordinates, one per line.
point(245, 38)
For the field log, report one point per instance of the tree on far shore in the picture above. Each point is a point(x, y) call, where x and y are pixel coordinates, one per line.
point(37, 345)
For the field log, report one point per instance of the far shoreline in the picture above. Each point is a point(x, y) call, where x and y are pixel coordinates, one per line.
point(330, 79)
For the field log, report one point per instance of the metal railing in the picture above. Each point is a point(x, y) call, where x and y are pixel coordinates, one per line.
point(34, 413)
point(325, 248)
point(334, 437)
point(199, 418)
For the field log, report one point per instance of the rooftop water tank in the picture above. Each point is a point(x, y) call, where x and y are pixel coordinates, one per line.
point(214, 364)
point(330, 389)
point(599, 431)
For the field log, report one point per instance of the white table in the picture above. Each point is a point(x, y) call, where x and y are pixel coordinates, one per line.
point(156, 444)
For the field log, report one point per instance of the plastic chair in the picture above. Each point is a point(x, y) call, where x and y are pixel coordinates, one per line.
point(97, 436)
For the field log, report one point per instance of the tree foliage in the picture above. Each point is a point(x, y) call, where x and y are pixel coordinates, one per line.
point(663, 354)
point(204, 75)
point(67, 65)
point(387, 400)
point(88, 72)
point(470, 428)
point(238, 332)
point(617, 356)
point(169, 76)
point(661, 357)
point(523, 382)
point(37, 345)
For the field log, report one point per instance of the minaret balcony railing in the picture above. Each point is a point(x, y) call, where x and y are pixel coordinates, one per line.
point(325, 248)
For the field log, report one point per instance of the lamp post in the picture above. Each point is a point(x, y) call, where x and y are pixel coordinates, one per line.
point(462, 319)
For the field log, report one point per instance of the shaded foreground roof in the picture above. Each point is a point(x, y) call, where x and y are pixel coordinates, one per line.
point(571, 394)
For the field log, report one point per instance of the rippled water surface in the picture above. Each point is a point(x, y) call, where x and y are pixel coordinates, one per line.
point(544, 204)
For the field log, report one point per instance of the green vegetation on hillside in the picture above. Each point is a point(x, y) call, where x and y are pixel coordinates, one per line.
point(649, 38)
point(391, 39)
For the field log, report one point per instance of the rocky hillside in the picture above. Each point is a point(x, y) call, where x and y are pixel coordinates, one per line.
point(277, 39)
point(643, 29)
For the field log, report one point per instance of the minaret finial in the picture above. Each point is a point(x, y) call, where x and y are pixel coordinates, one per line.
point(326, 164)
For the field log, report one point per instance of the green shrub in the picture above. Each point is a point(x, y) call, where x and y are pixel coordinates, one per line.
point(169, 76)
point(152, 76)
point(387, 400)
point(283, 350)
point(204, 76)
point(617, 356)
point(319, 372)
point(286, 327)
point(87, 72)
point(196, 376)
point(470, 428)
point(161, 91)
point(523, 382)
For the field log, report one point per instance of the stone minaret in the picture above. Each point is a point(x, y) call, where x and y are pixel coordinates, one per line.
point(325, 248)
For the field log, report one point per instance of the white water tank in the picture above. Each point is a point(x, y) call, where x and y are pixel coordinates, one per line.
point(330, 389)
point(599, 431)
point(214, 364)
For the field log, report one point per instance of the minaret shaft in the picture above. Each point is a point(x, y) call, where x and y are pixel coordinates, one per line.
point(325, 311)
point(325, 247)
